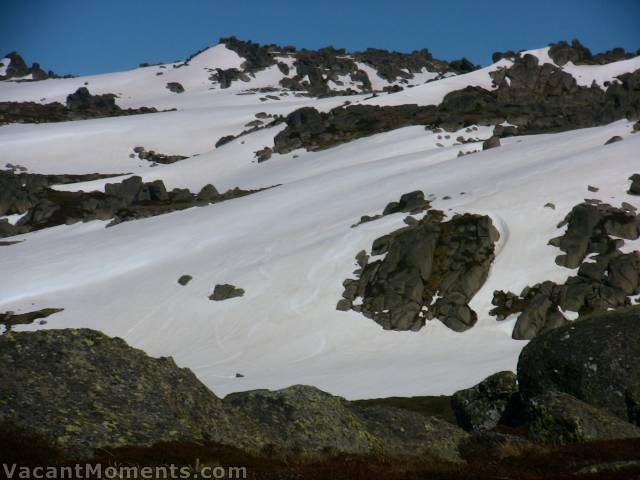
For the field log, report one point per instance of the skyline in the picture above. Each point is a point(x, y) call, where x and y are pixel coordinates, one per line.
point(66, 35)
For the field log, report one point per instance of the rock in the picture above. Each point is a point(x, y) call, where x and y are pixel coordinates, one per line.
point(116, 396)
point(483, 406)
point(208, 193)
point(264, 154)
point(127, 190)
point(225, 292)
point(556, 417)
point(613, 139)
point(550, 205)
point(492, 142)
point(636, 126)
point(11, 319)
point(304, 419)
point(634, 189)
point(539, 316)
point(184, 279)
point(224, 140)
point(175, 87)
point(592, 188)
point(589, 228)
point(423, 274)
point(593, 359)
point(412, 202)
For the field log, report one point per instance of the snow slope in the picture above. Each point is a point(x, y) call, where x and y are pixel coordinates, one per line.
point(292, 246)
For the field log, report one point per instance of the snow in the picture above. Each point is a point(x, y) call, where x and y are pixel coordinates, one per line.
point(289, 247)
point(5, 64)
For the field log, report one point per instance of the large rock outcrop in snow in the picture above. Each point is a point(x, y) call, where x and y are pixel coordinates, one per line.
point(431, 269)
point(607, 280)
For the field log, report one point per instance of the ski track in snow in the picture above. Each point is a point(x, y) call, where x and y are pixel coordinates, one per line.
point(290, 247)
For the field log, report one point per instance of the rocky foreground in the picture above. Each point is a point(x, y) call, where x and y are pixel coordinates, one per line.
point(79, 393)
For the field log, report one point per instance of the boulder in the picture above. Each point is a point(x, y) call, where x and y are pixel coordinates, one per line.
point(225, 292)
point(555, 417)
point(634, 189)
point(613, 139)
point(115, 396)
point(482, 406)
point(594, 359)
point(175, 87)
point(303, 418)
point(492, 142)
point(184, 279)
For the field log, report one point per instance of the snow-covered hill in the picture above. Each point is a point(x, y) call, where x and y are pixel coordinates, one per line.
point(291, 247)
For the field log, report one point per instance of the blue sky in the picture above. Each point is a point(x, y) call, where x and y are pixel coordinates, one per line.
point(95, 36)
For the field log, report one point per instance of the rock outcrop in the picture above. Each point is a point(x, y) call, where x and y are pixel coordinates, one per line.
point(608, 280)
point(555, 417)
point(593, 359)
point(115, 396)
point(431, 269)
point(118, 396)
point(484, 405)
point(41, 206)
point(80, 105)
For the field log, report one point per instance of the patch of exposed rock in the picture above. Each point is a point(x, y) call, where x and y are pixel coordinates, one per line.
point(155, 157)
point(607, 280)
point(130, 199)
point(80, 105)
point(412, 203)
point(225, 291)
point(430, 269)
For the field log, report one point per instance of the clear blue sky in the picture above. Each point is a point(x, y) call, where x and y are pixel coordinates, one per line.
point(95, 36)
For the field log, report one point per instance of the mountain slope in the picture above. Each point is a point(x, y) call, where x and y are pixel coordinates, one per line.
point(291, 247)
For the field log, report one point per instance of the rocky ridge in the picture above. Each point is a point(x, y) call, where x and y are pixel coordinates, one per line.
point(41, 206)
point(80, 105)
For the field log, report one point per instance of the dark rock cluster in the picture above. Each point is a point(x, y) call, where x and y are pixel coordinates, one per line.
point(574, 384)
point(431, 269)
point(80, 105)
point(607, 280)
point(175, 87)
point(412, 202)
point(18, 68)
point(155, 157)
point(563, 52)
point(316, 68)
point(42, 206)
point(535, 98)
